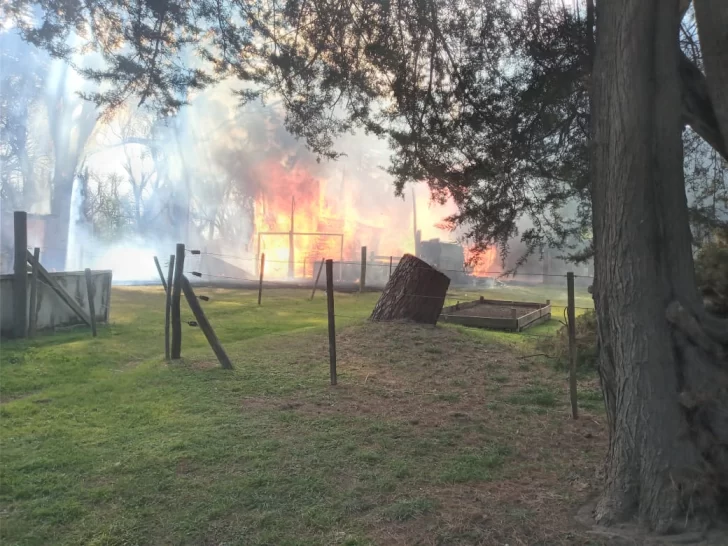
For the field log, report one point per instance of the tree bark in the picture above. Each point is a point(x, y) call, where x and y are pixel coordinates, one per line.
point(697, 106)
point(712, 19)
point(415, 291)
point(663, 370)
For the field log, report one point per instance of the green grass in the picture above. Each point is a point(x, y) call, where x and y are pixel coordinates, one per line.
point(476, 465)
point(556, 293)
point(104, 443)
point(449, 397)
point(535, 395)
point(591, 399)
point(406, 509)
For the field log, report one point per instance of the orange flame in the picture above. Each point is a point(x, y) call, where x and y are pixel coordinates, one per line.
point(326, 206)
point(483, 265)
point(320, 206)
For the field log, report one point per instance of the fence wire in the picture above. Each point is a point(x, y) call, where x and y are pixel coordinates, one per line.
point(450, 298)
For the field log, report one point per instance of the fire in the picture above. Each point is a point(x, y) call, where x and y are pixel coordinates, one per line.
point(483, 265)
point(295, 200)
point(333, 218)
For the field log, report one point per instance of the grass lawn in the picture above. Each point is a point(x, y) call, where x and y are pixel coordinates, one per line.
point(537, 293)
point(433, 436)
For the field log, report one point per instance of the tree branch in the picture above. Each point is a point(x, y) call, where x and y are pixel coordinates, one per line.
point(698, 111)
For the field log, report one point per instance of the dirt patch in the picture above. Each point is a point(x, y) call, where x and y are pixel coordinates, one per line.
point(522, 511)
point(184, 466)
point(4, 399)
point(421, 375)
point(490, 310)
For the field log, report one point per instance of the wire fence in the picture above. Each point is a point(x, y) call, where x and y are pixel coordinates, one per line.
point(496, 286)
point(279, 302)
point(533, 292)
point(502, 310)
point(382, 263)
point(509, 305)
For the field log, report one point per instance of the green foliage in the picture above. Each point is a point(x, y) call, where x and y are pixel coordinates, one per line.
point(21, 86)
point(711, 270)
point(504, 143)
point(586, 343)
point(486, 102)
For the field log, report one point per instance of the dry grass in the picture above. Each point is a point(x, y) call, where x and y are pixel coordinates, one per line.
point(443, 379)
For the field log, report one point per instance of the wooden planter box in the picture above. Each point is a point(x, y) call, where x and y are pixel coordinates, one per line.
point(501, 315)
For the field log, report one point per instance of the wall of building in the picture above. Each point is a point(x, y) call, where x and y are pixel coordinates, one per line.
point(52, 311)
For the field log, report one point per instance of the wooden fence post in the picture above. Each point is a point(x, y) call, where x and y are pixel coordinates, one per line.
point(161, 275)
point(168, 306)
point(341, 259)
point(315, 283)
point(390, 267)
point(205, 324)
point(20, 275)
point(363, 275)
point(90, 293)
point(571, 313)
point(33, 312)
point(179, 264)
point(260, 283)
point(332, 323)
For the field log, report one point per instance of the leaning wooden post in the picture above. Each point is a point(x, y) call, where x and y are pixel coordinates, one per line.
point(332, 324)
point(571, 312)
point(161, 275)
point(179, 264)
point(260, 283)
point(91, 305)
point(390, 267)
point(33, 312)
point(315, 283)
point(205, 324)
point(62, 294)
point(168, 306)
point(20, 275)
point(363, 275)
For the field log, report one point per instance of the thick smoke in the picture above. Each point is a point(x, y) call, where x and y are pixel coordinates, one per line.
point(111, 192)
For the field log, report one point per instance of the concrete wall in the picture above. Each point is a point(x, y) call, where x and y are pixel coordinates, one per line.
point(52, 311)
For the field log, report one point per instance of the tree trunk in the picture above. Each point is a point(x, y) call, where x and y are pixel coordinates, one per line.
point(664, 375)
point(57, 238)
point(415, 291)
point(68, 148)
point(712, 19)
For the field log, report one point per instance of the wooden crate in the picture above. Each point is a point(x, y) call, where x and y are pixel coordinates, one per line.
point(484, 313)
